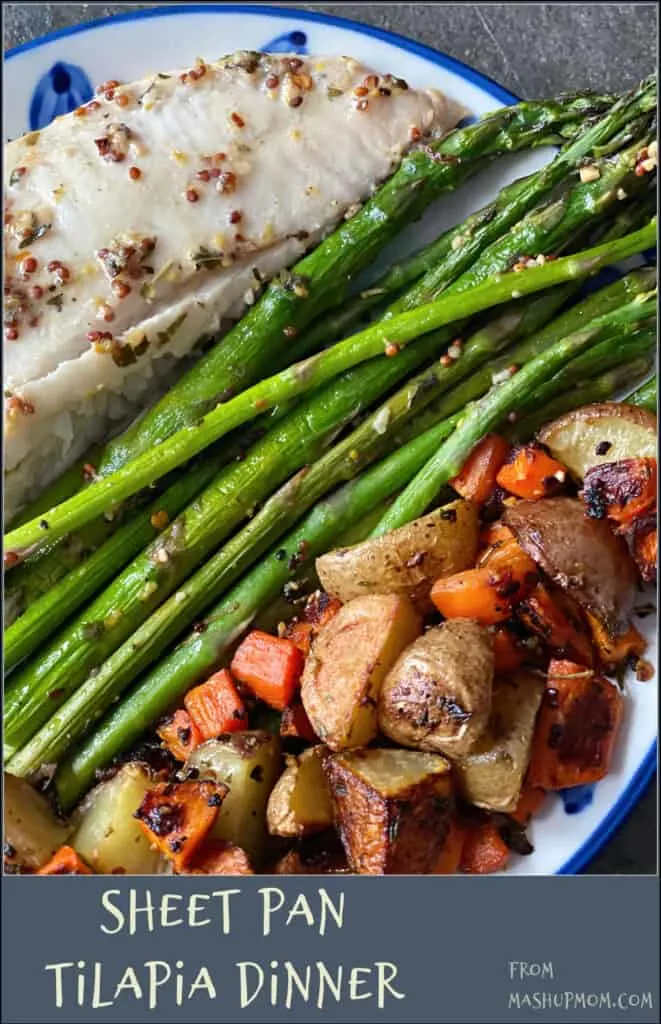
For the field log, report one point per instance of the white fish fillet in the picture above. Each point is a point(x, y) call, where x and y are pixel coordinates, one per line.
point(137, 225)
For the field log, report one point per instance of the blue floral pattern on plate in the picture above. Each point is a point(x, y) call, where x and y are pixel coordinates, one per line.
point(59, 91)
point(289, 42)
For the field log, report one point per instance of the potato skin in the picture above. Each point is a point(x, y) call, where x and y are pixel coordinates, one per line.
point(392, 809)
point(300, 802)
point(407, 560)
point(603, 432)
point(582, 555)
point(348, 662)
point(437, 696)
point(491, 775)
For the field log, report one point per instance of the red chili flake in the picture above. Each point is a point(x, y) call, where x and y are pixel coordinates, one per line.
point(639, 170)
point(360, 90)
point(89, 471)
point(214, 172)
point(112, 83)
point(53, 266)
point(392, 349)
point(219, 157)
point(235, 216)
point(11, 333)
point(371, 81)
point(239, 237)
point(36, 292)
point(122, 100)
point(109, 95)
point(290, 331)
point(445, 360)
point(121, 289)
point(237, 120)
point(108, 314)
point(94, 336)
point(29, 264)
point(19, 172)
point(18, 404)
point(80, 112)
point(192, 195)
point(226, 181)
point(415, 134)
point(203, 175)
point(295, 101)
point(135, 173)
point(294, 64)
point(93, 105)
point(272, 82)
point(147, 244)
point(11, 558)
point(183, 77)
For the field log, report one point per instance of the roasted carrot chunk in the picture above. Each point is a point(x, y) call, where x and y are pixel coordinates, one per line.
point(576, 728)
point(484, 851)
point(508, 653)
point(477, 477)
point(509, 555)
point(530, 801)
point(271, 666)
point(180, 734)
point(65, 862)
point(621, 491)
point(488, 595)
point(295, 723)
point(645, 553)
point(532, 474)
point(218, 857)
point(616, 650)
point(302, 634)
point(215, 707)
point(449, 861)
point(545, 617)
point(176, 817)
point(495, 534)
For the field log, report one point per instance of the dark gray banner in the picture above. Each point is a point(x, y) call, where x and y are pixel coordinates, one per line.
point(339, 948)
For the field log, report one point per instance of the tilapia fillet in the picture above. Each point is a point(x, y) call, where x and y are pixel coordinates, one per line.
point(137, 225)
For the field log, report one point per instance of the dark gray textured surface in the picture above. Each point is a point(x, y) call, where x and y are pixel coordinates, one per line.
point(531, 49)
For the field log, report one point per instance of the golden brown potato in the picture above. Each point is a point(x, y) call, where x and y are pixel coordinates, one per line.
point(605, 432)
point(347, 665)
point(492, 774)
point(392, 808)
point(405, 561)
point(320, 854)
point(300, 802)
point(437, 696)
point(582, 555)
point(32, 832)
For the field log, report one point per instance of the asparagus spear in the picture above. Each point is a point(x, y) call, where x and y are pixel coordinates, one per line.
point(603, 388)
point(381, 429)
point(303, 377)
point(645, 396)
point(192, 660)
point(489, 413)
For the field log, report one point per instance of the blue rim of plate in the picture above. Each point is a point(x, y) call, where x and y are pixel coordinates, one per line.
point(645, 772)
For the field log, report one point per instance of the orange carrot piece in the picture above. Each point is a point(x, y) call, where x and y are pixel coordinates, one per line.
point(449, 860)
point(302, 634)
point(296, 724)
point(218, 857)
point(176, 817)
point(623, 491)
point(576, 728)
point(544, 617)
point(484, 851)
point(645, 553)
point(215, 707)
point(532, 474)
point(180, 734)
point(616, 650)
point(488, 595)
point(271, 666)
point(65, 862)
point(477, 477)
point(509, 555)
point(495, 534)
point(530, 800)
point(508, 654)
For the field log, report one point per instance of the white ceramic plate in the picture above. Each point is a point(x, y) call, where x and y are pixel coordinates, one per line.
point(54, 74)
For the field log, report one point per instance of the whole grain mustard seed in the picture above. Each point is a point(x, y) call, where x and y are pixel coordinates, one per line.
point(192, 195)
point(135, 173)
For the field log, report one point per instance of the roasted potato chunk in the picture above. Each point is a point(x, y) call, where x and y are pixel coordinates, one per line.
point(347, 665)
point(249, 763)
point(108, 835)
point(437, 696)
point(300, 802)
point(491, 775)
point(405, 561)
point(32, 831)
point(392, 808)
point(320, 854)
point(605, 432)
point(582, 555)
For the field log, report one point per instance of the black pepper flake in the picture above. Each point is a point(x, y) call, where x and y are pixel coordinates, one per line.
point(215, 800)
point(36, 232)
point(449, 515)
point(281, 554)
point(43, 525)
point(603, 447)
point(8, 850)
point(257, 774)
point(199, 628)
